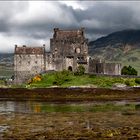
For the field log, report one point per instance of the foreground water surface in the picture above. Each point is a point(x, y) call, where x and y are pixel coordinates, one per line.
point(36, 120)
point(44, 107)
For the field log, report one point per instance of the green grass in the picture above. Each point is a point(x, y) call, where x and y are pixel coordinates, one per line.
point(84, 80)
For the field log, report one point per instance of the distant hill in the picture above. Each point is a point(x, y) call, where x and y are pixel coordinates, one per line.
point(122, 46)
point(118, 39)
point(6, 64)
point(6, 58)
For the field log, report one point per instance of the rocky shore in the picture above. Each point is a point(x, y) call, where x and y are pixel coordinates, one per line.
point(72, 126)
point(70, 94)
point(101, 124)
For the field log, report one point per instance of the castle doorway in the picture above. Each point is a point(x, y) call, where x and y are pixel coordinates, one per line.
point(70, 68)
point(69, 63)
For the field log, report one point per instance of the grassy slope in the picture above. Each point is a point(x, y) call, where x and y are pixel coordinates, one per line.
point(84, 80)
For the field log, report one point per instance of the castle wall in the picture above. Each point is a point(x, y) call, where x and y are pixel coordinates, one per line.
point(104, 68)
point(112, 68)
point(26, 65)
point(49, 62)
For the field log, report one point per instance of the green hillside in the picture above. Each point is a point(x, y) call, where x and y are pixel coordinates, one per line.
point(119, 47)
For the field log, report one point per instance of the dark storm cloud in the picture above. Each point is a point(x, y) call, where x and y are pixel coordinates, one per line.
point(104, 18)
point(33, 22)
point(4, 26)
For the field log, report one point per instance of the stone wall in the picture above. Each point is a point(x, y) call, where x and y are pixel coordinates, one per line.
point(112, 68)
point(101, 67)
point(68, 48)
point(27, 64)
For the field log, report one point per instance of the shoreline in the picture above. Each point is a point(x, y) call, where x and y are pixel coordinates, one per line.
point(70, 94)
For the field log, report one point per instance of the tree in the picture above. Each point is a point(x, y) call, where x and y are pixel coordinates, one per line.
point(80, 70)
point(128, 71)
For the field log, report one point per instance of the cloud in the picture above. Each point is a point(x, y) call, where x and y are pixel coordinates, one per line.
point(32, 22)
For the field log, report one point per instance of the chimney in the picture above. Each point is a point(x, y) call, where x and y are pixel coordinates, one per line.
point(56, 29)
point(15, 45)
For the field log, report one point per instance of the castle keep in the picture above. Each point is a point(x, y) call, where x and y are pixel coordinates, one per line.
point(68, 50)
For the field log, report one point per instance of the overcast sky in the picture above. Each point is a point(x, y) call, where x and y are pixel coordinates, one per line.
point(32, 22)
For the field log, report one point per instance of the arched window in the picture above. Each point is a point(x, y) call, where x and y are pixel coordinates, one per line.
point(70, 68)
point(77, 50)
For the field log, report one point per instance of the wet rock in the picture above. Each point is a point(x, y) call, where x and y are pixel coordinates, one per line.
point(118, 85)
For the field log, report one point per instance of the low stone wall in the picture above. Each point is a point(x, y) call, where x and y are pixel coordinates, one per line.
point(104, 68)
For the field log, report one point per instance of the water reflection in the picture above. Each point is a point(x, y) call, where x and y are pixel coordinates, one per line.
point(43, 107)
point(14, 106)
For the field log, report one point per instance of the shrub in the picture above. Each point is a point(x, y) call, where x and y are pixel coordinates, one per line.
point(92, 76)
point(129, 83)
point(37, 78)
point(137, 80)
point(128, 71)
point(80, 70)
point(61, 77)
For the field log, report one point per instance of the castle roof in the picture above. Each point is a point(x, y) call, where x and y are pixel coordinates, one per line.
point(61, 34)
point(29, 50)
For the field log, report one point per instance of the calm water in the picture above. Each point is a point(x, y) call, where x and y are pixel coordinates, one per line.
point(44, 107)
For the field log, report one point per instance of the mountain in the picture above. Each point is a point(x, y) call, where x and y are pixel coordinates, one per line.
point(6, 64)
point(6, 58)
point(119, 47)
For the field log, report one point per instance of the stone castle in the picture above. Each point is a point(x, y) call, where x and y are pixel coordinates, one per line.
point(68, 50)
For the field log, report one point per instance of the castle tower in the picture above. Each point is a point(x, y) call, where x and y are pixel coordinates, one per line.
point(28, 61)
point(69, 49)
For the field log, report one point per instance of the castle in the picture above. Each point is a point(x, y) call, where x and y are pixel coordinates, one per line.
point(68, 50)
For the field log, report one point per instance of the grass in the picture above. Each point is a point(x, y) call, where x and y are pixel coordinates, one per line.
point(83, 80)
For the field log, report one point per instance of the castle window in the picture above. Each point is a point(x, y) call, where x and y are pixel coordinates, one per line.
point(36, 62)
point(77, 50)
point(28, 62)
